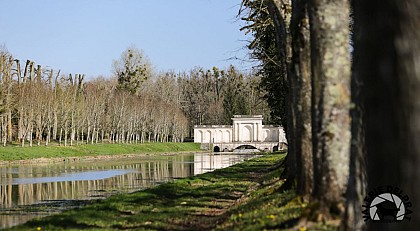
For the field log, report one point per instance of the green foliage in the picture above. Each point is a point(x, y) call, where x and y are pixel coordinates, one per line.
point(214, 96)
point(131, 70)
point(234, 102)
point(264, 49)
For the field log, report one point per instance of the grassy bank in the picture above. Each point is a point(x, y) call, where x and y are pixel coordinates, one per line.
point(11, 153)
point(247, 196)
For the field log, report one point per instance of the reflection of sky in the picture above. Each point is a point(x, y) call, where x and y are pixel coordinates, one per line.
point(30, 184)
point(77, 176)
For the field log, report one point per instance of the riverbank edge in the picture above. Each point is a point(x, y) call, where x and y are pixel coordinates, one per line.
point(245, 196)
point(90, 152)
point(73, 159)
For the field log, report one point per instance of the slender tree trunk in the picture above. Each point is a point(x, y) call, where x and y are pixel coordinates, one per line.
point(76, 134)
point(30, 127)
point(97, 136)
point(3, 131)
point(72, 131)
point(60, 135)
point(55, 127)
point(82, 138)
point(93, 135)
point(65, 134)
point(389, 51)
point(47, 140)
point(9, 125)
point(24, 133)
point(88, 134)
point(38, 136)
point(123, 135)
point(330, 61)
point(31, 131)
point(20, 117)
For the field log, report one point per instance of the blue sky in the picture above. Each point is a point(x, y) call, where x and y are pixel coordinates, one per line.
point(85, 36)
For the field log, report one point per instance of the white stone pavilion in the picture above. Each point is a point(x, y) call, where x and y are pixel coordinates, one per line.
point(246, 131)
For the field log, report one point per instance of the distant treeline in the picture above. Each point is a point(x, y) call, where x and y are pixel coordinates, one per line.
point(39, 105)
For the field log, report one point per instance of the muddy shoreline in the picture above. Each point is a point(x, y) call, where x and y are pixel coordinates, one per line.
point(86, 158)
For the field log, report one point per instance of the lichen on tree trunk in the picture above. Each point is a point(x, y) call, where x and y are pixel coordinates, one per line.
point(330, 61)
point(300, 73)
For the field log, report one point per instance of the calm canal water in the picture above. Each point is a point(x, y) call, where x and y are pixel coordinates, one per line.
point(30, 191)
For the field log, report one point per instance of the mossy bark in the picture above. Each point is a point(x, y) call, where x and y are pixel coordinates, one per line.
point(330, 61)
point(291, 23)
point(300, 72)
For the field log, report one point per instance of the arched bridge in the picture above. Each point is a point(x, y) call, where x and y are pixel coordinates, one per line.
point(243, 146)
point(246, 132)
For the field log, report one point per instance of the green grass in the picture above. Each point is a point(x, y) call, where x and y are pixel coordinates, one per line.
point(246, 196)
point(11, 153)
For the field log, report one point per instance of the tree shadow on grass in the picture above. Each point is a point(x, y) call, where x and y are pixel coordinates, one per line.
point(58, 222)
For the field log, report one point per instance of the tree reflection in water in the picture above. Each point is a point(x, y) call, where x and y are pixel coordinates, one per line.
point(62, 186)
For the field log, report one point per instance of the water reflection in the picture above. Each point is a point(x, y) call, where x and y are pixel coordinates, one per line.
point(25, 185)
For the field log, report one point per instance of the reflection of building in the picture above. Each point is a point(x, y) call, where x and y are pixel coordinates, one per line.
point(207, 163)
point(245, 131)
point(32, 184)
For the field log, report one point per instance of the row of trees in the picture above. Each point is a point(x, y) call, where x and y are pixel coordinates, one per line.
point(214, 96)
point(340, 115)
point(204, 96)
point(39, 105)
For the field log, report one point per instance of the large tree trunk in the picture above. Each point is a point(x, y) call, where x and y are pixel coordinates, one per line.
point(389, 52)
point(281, 20)
point(330, 61)
point(300, 75)
point(356, 189)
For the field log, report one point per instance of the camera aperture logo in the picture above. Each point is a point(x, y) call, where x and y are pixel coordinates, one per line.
point(387, 205)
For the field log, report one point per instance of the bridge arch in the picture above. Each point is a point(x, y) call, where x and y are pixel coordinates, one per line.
point(245, 130)
point(246, 146)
